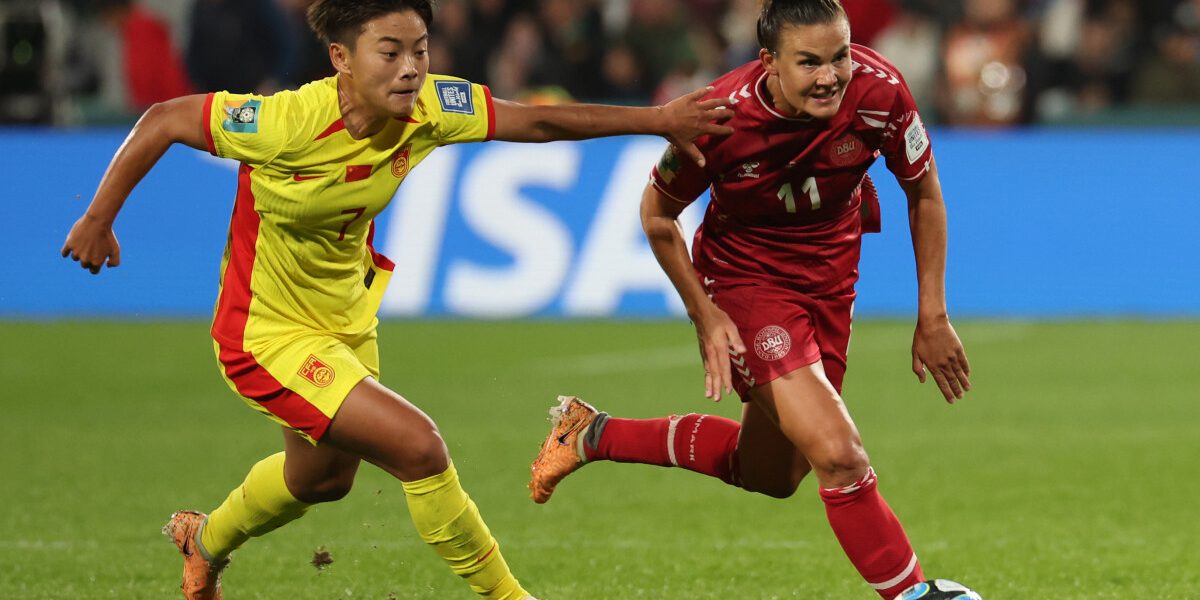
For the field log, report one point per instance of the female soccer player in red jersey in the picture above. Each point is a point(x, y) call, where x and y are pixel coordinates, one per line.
point(770, 284)
point(294, 325)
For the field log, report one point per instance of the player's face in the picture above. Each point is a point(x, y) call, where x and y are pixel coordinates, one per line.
point(390, 61)
point(813, 67)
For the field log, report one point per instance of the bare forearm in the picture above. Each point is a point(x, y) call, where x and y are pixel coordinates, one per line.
point(137, 154)
point(667, 243)
point(927, 220)
point(585, 121)
point(929, 245)
point(681, 121)
point(162, 125)
point(927, 224)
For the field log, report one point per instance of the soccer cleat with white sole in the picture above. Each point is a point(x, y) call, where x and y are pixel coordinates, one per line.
point(562, 452)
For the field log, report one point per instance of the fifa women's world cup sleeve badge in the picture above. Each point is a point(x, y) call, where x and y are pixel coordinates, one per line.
point(241, 116)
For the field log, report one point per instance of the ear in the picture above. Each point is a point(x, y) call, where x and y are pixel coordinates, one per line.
point(768, 61)
point(339, 55)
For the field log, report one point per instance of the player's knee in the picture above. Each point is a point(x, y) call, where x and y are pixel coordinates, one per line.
point(840, 462)
point(426, 455)
point(330, 489)
point(775, 489)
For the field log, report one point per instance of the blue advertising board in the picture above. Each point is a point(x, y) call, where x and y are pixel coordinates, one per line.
point(1057, 223)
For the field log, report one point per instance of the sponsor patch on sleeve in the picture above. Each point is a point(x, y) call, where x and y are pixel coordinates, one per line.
point(916, 141)
point(241, 116)
point(455, 97)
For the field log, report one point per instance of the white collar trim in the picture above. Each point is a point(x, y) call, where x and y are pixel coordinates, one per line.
point(763, 101)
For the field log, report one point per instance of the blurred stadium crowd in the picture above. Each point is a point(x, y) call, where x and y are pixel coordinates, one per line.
point(969, 62)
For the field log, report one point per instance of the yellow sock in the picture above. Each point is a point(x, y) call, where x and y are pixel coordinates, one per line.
point(260, 505)
point(448, 520)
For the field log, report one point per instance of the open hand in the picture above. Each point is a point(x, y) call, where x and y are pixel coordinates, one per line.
point(718, 338)
point(689, 117)
point(937, 349)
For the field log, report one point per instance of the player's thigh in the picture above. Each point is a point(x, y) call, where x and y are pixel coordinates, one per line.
point(317, 473)
point(388, 431)
point(768, 462)
point(812, 416)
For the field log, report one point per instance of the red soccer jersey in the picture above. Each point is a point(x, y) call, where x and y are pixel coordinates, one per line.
point(787, 201)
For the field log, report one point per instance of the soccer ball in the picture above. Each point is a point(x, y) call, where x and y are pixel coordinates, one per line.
point(938, 589)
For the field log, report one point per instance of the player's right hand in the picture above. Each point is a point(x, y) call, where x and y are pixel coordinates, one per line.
point(718, 338)
point(92, 244)
point(691, 116)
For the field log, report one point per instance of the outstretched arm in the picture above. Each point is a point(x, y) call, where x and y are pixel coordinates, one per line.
point(936, 347)
point(716, 332)
point(91, 241)
point(680, 121)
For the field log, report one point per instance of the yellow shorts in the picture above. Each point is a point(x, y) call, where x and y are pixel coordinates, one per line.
point(300, 380)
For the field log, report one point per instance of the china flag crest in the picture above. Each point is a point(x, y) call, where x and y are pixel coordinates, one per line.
point(400, 161)
point(316, 372)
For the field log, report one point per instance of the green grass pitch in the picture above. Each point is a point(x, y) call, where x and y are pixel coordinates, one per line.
point(1070, 471)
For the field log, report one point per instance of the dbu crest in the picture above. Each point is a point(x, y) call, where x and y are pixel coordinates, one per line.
point(772, 343)
point(847, 150)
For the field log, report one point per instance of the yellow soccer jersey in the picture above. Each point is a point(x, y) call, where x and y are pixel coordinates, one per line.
point(299, 254)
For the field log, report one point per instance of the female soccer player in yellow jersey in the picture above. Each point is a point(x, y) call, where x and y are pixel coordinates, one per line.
point(294, 324)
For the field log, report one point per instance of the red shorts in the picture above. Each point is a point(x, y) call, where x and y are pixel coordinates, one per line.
point(785, 330)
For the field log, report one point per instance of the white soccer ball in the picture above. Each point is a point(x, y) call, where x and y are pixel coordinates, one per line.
point(939, 589)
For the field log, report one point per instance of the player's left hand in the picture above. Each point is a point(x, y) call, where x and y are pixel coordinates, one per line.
point(937, 350)
point(719, 339)
point(689, 117)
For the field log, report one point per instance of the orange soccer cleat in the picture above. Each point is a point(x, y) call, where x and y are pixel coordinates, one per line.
point(201, 577)
point(562, 453)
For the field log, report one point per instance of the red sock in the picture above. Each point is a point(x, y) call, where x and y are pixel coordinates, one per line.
point(702, 443)
point(872, 536)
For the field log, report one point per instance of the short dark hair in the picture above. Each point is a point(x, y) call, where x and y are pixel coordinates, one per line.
point(777, 14)
point(342, 21)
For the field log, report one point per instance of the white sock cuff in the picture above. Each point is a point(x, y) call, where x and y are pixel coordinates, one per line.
point(866, 480)
point(672, 424)
point(912, 564)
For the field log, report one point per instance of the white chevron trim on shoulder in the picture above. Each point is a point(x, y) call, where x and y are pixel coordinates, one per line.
point(873, 122)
